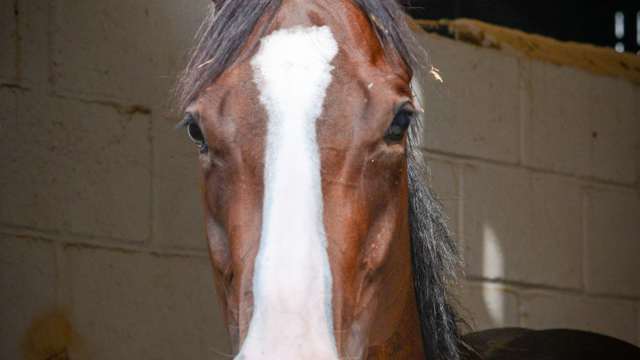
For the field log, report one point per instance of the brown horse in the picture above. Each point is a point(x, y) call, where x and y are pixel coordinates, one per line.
point(325, 241)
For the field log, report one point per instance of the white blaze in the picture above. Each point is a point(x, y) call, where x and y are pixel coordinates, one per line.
point(292, 316)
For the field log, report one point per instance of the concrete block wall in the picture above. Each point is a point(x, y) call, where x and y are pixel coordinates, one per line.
point(100, 220)
point(538, 165)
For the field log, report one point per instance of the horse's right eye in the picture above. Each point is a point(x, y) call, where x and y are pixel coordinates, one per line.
point(195, 133)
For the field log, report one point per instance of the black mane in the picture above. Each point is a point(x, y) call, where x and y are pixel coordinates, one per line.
point(434, 254)
point(435, 261)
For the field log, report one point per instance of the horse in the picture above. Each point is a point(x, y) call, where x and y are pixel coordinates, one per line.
point(325, 239)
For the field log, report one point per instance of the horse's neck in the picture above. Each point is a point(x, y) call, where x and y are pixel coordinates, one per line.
point(406, 340)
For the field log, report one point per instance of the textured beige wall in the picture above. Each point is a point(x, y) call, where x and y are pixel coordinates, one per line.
point(101, 240)
point(538, 166)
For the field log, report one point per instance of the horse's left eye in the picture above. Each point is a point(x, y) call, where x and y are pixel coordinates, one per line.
point(398, 128)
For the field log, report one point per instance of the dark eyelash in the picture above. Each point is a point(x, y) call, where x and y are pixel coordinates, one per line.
point(186, 121)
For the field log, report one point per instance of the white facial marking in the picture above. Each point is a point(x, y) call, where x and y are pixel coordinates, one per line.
point(292, 315)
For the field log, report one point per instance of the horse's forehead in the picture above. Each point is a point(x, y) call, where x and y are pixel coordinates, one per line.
point(352, 28)
point(361, 57)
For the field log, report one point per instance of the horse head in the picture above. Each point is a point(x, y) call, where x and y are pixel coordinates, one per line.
point(324, 240)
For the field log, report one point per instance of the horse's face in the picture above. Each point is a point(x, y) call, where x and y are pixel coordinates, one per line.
point(303, 153)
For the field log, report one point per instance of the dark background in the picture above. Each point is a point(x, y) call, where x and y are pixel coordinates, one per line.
point(588, 21)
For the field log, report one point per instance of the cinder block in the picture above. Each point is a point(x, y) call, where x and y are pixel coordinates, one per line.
point(9, 107)
point(34, 43)
point(178, 24)
point(475, 111)
point(76, 167)
point(8, 41)
point(486, 305)
point(558, 134)
point(616, 129)
point(581, 124)
point(613, 242)
point(141, 306)
point(546, 310)
point(27, 284)
point(522, 226)
point(444, 179)
point(637, 102)
point(120, 49)
point(178, 216)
